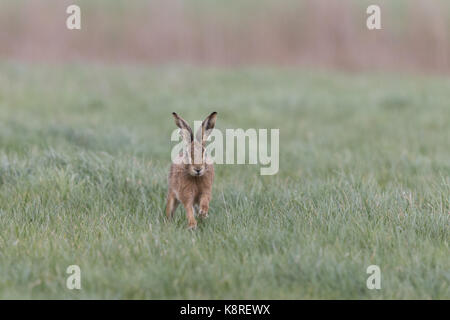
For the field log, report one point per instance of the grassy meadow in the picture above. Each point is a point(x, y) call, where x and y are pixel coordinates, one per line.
point(364, 179)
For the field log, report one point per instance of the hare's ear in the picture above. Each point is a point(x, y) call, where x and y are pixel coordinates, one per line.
point(206, 128)
point(186, 131)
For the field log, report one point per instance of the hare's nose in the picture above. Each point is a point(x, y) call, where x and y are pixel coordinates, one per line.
point(198, 170)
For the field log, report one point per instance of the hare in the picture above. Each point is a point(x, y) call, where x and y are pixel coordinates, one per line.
point(191, 175)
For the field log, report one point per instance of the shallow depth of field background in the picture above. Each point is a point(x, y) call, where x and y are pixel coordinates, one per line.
point(364, 118)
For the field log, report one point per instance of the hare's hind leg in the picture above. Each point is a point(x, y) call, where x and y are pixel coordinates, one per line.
point(172, 204)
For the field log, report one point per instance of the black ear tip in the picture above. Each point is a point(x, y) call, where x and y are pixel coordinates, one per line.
point(214, 113)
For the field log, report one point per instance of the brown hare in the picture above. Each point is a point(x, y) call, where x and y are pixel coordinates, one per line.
point(191, 175)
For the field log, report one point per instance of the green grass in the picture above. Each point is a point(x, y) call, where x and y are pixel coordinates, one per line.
point(364, 179)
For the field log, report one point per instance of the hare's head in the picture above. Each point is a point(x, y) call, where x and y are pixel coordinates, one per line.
point(195, 158)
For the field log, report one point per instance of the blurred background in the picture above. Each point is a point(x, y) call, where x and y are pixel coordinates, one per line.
point(319, 33)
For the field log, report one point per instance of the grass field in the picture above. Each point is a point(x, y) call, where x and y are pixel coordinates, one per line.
point(364, 179)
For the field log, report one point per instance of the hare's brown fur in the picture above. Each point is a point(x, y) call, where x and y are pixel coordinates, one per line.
point(191, 182)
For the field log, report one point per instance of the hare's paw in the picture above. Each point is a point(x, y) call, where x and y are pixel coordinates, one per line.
point(203, 214)
point(192, 225)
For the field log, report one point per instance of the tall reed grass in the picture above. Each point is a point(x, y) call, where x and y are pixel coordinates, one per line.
point(327, 33)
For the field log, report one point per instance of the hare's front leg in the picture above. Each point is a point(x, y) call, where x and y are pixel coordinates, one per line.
point(204, 205)
point(192, 223)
